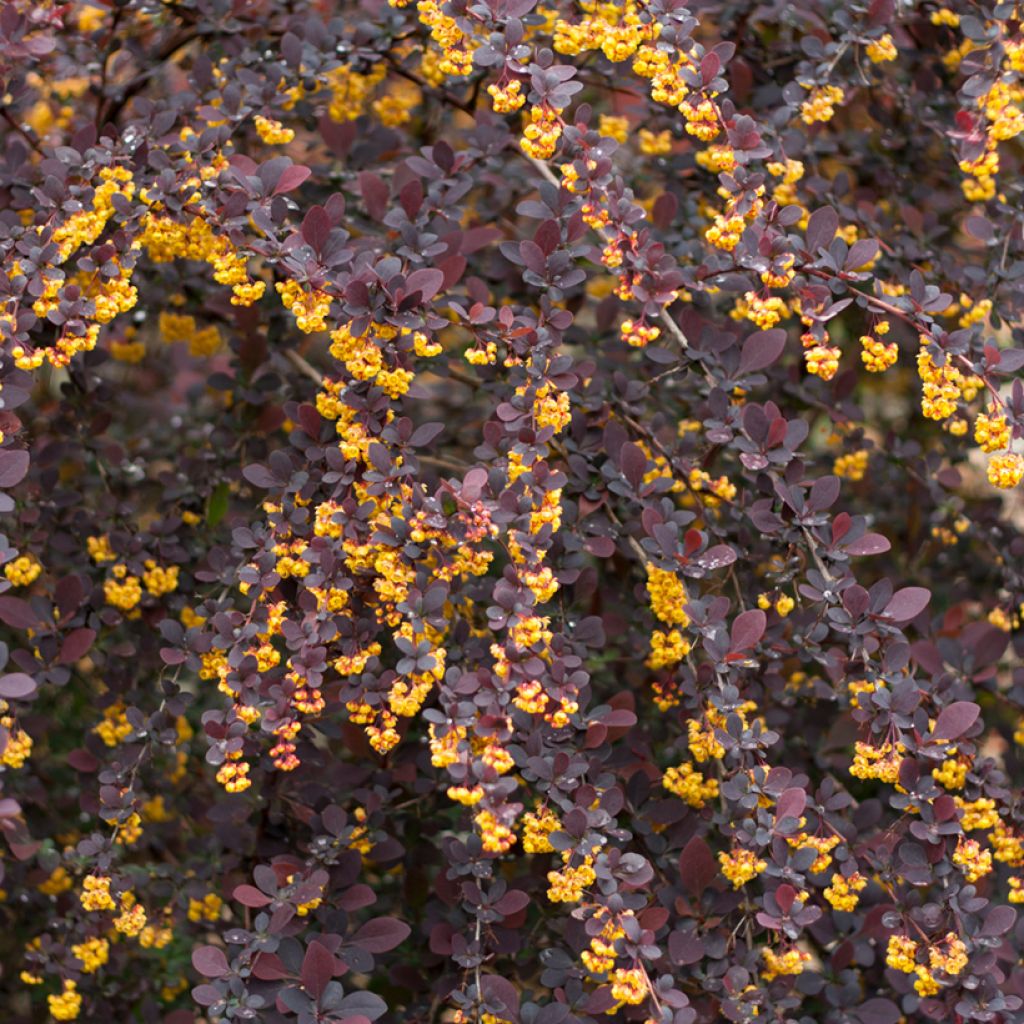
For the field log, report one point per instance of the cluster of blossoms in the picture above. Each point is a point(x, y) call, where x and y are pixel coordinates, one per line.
point(491, 537)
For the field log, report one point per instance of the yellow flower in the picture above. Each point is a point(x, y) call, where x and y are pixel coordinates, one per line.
point(881, 50)
point(68, 1004)
point(740, 866)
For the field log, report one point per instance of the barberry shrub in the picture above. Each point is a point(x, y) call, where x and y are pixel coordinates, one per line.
point(511, 511)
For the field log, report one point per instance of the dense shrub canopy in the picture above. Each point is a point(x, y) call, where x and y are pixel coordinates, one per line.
point(510, 511)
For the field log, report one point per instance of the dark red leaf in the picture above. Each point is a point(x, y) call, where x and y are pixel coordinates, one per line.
point(697, 865)
point(381, 934)
point(318, 967)
point(250, 896)
point(292, 177)
point(210, 961)
point(76, 644)
point(907, 603)
point(747, 629)
point(955, 720)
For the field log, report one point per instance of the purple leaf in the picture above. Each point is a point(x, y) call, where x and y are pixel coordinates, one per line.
point(210, 961)
point(318, 968)
point(381, 934)
point(17, 613)
point(999, 921)
point(822, 226)
point(292, 178)
point(76, 644)
point(907, 604)
point(13, 466)
point(427, 282)
point(375, 193)
point(955, 720)
point(869, 544)
point(760, 350)
point(250, 896)
point(633, 463)
point(791, 803)
point(316, 226)
point(697, 865)
point(17, 686)
point(260, 476)
point(747, 629)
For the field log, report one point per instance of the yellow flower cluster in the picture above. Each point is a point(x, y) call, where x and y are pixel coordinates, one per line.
point(690, 785)
point(765, 311)
point(728, 227)
point(740, 866)
point(882, 763)
point(614, 127)
point(977, 814)
point(537, 827)
point(121, 590)
point(656, 143)
point(23, 571)
point(364, 359)
point(166, 240)
point(719, 159)
point(233, 774)
point(160, 581)
point(93, 954)
point(1006, 470)
point(310, 307)
point(495, 836)
point(507, 98)
point(876, 354)
point(972, 860)
point(114, 726)
point(951, 773)
point(942, 386)
point(95, 893)
point(1008, 847)
point(132, 918)
point(542, 132)
point(456, 47)
point(206, 909)
point(601, 956)
point(18, 747)
point(58, 882)
point(852, 466)
point(629, 986)
point(99, 549)
point(822, 359)
point(638, 334)
point(820, 106)
point(822, 845)
point(273, 133)
point(789, 963)
point(702, 741)
point(782, 603)
point(843, 893)
point(351, 91)
point(667, 649)
point(201, 342)
point(992, 431)
point(568, 884)
point(668, 596)
point(901, 953)
point(881, 50)
point(614, 29)
point(68, 1004)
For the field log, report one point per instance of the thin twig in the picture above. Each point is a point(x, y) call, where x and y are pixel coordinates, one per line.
point(302, 365)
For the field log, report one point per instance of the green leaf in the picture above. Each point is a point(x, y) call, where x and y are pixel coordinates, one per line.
point(217, 506)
